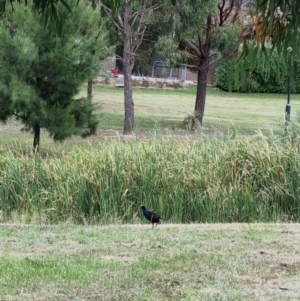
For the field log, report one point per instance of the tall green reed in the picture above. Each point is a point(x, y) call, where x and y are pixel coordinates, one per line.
point(184, 179)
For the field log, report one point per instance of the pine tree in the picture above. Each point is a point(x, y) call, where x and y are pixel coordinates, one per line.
point(41, 72)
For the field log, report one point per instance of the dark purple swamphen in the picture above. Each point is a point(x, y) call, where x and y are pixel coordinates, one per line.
point(151, 216)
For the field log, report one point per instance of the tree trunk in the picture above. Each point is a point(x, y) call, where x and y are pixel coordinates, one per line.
point(90, 96)
point(201, 92)
point(127, 58)
point(36, 138)
point(90, 89)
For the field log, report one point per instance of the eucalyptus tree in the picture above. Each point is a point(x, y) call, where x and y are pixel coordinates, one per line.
point(276, 33)
point(208, 33)
point(131, 21)
point(284, 33)
point(279, 20)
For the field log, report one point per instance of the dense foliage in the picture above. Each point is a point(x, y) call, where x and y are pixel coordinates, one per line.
point(262, 77)
point(186, 180)
point(279, 19)
point(41, 72)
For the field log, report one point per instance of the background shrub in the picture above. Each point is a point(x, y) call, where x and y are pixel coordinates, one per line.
point(263, 78)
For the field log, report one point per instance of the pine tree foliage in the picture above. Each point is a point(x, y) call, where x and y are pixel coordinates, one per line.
point(49, 9)
point(41, 72)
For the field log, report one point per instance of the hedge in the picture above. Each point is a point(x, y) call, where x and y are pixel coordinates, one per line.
point(263, 78)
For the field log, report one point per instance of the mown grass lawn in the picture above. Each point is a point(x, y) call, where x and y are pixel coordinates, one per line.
point(132, 262)
point(157, 110)
point(161, 108)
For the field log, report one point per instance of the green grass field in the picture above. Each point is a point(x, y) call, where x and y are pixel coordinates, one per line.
point(243, 178)
point(165, 109)
point(173, 262)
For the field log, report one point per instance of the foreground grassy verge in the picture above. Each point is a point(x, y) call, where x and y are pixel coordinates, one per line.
point(186, 179)
point(174, 262)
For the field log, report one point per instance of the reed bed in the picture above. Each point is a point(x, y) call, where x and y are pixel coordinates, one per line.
point(184, 179)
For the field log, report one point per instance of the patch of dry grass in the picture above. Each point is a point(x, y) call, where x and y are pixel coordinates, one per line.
point(133, 262)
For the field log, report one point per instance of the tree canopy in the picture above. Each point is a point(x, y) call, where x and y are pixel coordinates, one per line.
point(207, 34)
point(131, 23)
point(50, 10)
point(50, 6)
point(41, 73)
point(279, 20)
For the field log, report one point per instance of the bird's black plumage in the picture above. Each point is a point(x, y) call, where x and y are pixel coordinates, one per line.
point(151, 216)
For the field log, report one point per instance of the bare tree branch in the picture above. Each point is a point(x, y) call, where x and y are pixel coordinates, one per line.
point(221, 9)
point(200, 47)
point(120, 22)
point(208, 35)
point(231, 52)
point(213, 54)
point(194, 47)
point(138, 39)
point(119, 25)
point(143, 11)
point(227, 12)
point(226, 9)
point(238, 9)
point(20, 116)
